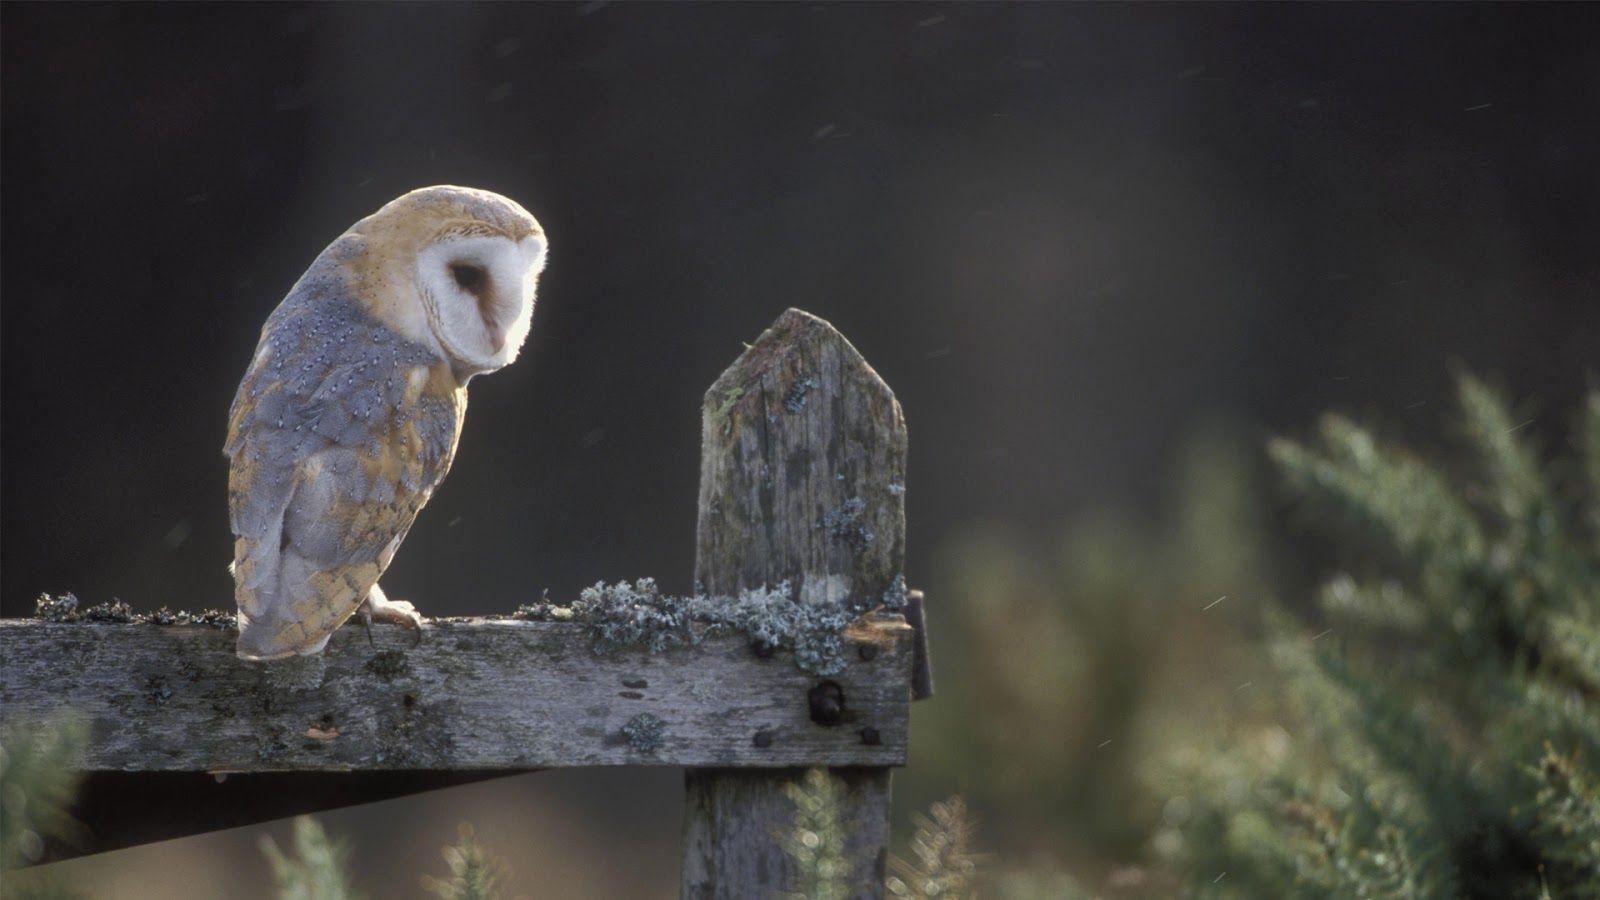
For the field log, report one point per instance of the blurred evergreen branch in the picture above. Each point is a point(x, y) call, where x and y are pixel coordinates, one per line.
point(1440, 740)
point(316, 871)
point(815, 840)
point(474, 875)
point(37, 786)
point(942, 863)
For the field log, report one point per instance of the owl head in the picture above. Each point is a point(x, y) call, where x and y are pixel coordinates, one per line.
point(454, 268)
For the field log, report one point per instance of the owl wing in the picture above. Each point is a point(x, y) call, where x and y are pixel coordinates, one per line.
point(335, 446)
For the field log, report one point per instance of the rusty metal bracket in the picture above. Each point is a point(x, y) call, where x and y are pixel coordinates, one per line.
point(921, 665)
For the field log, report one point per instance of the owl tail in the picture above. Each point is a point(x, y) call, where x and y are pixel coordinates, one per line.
point(255, 645)
point(268, 634)
point(268, 629)
point(261, 640)
point(265, 640)
point(262, 636)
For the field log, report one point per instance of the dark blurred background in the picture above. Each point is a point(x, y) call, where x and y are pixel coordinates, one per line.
point(1071, 237)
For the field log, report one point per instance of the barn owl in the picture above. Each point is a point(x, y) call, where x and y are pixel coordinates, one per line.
point(348, 416)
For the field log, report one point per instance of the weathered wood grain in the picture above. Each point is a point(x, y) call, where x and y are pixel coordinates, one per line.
point(802, 479)
point(474, 695)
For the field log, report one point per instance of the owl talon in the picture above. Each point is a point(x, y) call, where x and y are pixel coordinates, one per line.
point(396, 612)
point(366, 624)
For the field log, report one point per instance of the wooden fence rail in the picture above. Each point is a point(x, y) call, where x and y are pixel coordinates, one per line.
point(802, 483)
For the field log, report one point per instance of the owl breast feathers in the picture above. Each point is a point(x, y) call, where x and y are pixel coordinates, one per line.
point(350, 412)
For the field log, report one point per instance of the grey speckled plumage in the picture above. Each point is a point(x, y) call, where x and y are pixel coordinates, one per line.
point(315, 423)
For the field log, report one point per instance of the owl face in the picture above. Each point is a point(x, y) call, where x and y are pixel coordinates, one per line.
point(455, 268)
point(478, 292)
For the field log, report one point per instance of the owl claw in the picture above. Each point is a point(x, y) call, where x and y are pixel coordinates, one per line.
point(396, 612)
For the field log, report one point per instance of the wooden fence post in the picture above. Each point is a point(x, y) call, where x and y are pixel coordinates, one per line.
point(802, 480)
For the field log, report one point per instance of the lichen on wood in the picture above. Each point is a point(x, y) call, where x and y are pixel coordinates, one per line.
point(618, 616)
point(644, 732)
point(638, 615)
point(66, 608)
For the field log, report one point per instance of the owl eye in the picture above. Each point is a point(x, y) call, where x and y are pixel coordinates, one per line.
point(470, 278)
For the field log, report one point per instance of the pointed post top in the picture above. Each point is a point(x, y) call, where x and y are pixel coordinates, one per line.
point(792, 333)
point(803, 471)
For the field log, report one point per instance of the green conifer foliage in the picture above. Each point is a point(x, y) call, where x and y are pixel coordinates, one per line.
point(942, 863)
point(315, 871)
point(474, 875)
point(815, 840)
point(37, 784)
point(1439, 734)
